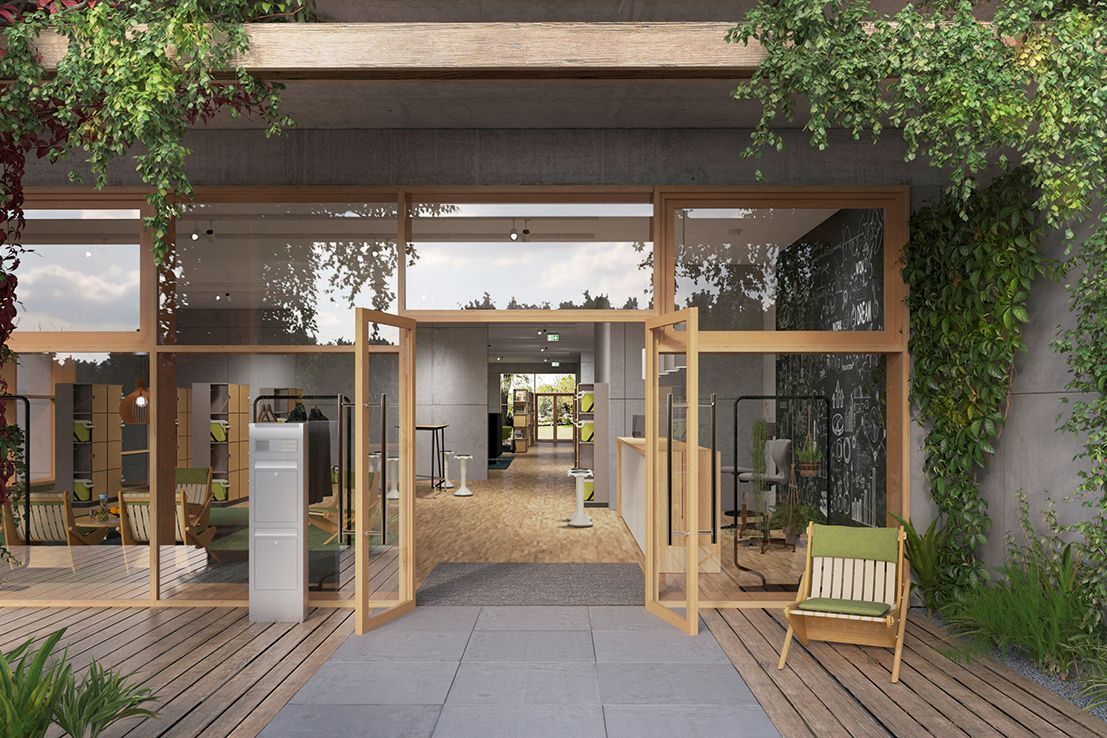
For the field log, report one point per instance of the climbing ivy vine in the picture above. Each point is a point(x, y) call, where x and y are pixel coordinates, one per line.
point(133, 77)
point(969, 269)
point(1023, 95)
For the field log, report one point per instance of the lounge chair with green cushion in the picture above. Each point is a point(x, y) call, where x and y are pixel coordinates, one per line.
point(52, 521)
point(854, 589)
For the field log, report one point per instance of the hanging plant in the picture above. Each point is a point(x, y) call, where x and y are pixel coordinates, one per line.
point(969, 279)
point(135, 75)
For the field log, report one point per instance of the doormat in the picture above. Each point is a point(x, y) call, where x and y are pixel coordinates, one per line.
point(501, 463)
point(532, 584)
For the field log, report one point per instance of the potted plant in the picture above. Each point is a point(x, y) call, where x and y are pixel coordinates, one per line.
point(792, 517)
point(809, 458)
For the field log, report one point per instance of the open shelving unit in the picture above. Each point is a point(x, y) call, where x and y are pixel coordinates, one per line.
point(523, 420)
point(88, 457)
point(220, 422)
point(591, 451)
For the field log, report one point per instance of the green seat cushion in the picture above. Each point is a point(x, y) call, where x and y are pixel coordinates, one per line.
point(846, 607)
point(846, 542)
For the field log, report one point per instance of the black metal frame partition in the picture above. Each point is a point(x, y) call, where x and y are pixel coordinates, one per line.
point(826, 439)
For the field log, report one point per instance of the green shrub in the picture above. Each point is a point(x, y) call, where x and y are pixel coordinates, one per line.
point(38, 688)
point(31, 687)
point(1042, 605)
point(99, 699)
point(924, 553)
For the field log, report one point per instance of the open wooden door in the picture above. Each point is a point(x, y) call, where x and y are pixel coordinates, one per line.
point(673, 508)
point(384, 468)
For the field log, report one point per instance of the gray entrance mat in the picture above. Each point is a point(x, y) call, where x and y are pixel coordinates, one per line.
point(533, 584)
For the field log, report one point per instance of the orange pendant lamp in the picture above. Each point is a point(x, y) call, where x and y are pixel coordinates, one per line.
point(135, 407)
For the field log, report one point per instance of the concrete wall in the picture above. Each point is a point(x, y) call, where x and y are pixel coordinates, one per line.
point(1030, 455)
point(619, 365)
point(451, 386)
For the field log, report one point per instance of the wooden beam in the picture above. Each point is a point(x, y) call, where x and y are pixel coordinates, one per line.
point(486, 51)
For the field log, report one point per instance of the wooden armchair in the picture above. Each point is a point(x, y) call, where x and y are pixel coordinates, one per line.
point(193, 497)
point(324, 516)
point(855, 589)
point(52, 522)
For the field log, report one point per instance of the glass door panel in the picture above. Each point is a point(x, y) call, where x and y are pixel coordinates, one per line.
point(384, 509)
point(672, 511)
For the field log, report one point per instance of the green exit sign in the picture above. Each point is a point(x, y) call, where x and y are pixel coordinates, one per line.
point(553, 337)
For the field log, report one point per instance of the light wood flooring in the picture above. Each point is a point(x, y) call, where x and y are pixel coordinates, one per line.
point(518, 515)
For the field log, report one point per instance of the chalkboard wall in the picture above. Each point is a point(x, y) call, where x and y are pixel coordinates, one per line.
point(832, 279)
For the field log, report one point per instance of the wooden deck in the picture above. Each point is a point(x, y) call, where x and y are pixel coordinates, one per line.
point(840, 690)
point(215, 673)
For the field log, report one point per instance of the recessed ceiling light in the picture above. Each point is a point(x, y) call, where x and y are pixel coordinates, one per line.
point(513, 235)
point(499, 358)
point(88, 254)
point(543, 349)
point(195, 236)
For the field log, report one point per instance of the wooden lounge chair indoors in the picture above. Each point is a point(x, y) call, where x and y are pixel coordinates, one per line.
point(193, 495)
point(52, 522)
point(324, 516)
point(855, 589)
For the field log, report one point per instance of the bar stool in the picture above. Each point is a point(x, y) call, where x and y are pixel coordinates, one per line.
point(446, 483)
point(463, 488)
point(580, 518)
point(393, 473)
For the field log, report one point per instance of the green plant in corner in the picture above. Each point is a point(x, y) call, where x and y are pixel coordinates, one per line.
point(31, 686)
point(99, 698)
point(924, 553)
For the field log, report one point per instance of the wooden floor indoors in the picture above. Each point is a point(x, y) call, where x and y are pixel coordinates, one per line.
point(841, 690)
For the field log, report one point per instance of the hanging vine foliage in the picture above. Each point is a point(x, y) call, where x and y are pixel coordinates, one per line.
point(1024, 93)
point(135, 75)
point(968, 280)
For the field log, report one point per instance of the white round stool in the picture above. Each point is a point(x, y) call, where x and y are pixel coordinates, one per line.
point(393, 474)
point(375, 462)
point(580, 518)
point(446, 456)
point(463, 487)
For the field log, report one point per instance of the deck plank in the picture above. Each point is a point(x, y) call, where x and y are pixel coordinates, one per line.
point(935, 696)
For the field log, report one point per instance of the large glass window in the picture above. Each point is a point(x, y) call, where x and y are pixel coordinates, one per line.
point(217, 397)
point(88, 442)
point(798, 438)
point(278, 273)
point(81, 271)
point(536, 256)
point(787, 269)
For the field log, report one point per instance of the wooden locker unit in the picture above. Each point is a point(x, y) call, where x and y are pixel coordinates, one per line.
point(220, 419)
point(88, 440)
point(592, 439)
point(523, 420)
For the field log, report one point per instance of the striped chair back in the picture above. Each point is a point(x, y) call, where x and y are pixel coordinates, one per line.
point(850, 563)
point(48, 518)
point(139, 522)
point(195, 483)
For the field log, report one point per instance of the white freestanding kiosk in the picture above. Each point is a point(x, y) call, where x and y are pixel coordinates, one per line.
point(278, 523)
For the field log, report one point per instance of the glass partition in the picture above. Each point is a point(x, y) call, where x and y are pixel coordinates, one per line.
point(278, 273)
point(85, 419)
point(530, 256)
point(798, 438)
point(80, 271)
point(777, 269)
point(217, 397)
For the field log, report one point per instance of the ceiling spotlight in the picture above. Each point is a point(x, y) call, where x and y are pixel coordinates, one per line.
point(218, 298)
point(543, 349)
point(499, 358)
point(195, 236)
point(88, 254)
point(513, 235)
point(540, 332)
point(526, 231)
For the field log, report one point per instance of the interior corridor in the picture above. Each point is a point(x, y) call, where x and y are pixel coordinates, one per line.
point(518, 514)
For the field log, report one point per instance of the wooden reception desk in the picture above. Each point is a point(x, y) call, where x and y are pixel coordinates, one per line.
point(631, 497)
